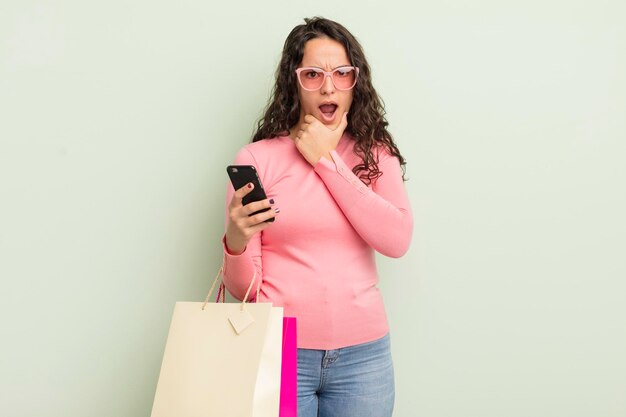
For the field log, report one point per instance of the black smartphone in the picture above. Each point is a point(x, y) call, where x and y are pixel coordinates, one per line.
point(239, 176)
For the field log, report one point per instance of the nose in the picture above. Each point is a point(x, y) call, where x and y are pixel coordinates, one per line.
point(328, 86)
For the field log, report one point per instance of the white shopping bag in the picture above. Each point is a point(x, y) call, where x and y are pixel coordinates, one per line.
point(221, 360)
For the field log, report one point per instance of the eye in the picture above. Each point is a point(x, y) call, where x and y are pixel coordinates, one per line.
point(344, 72)
point(311, 74)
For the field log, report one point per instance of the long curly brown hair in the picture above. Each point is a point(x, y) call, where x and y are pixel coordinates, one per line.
point(366, 118)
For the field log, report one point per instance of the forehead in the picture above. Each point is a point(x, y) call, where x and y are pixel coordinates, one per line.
point(324, 53)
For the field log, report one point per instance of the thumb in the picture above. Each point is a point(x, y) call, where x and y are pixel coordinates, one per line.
point(343, 123)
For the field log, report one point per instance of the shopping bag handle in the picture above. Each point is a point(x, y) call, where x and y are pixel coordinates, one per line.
point(220, 272)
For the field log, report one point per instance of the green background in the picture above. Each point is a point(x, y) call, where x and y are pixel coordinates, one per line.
point(117, 120)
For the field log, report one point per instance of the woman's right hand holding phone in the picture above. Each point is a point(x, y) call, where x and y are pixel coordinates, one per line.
point(241, 225)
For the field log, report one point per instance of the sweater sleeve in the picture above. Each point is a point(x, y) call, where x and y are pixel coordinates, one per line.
point(239, 269)
point(381, 215)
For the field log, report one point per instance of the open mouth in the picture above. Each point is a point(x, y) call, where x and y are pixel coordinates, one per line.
point(328, 111)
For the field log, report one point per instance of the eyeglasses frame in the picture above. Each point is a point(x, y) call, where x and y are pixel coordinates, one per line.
point(327, 74)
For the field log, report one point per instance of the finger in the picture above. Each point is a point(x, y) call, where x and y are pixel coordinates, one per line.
point(257, 205)
point(240, 194)
point(343, 123)
point(309, 118)
point(300, 134)
point(259, 218)
point(259, 227)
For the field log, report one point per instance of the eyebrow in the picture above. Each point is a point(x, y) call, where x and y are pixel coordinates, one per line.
point(320, 68)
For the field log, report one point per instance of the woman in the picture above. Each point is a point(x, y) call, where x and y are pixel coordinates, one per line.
point(325, 157)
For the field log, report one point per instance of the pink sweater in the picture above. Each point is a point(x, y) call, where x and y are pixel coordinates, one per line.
point(317, 259)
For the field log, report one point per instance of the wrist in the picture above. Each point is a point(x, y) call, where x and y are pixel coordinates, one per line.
point(233, 248)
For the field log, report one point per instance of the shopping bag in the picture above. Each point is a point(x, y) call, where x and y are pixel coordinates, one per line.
point(289, 370)
point(221, 360)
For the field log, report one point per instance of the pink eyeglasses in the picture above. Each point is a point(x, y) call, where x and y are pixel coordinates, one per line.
point(312, 78)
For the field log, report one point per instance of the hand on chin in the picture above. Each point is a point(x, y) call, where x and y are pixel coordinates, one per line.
point(315, 139)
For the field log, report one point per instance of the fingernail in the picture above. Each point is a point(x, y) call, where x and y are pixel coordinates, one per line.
point(249, 185)
point(277, 210)
point(271, 201)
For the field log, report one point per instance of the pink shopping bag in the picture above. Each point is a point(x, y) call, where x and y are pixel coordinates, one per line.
point(289, 370)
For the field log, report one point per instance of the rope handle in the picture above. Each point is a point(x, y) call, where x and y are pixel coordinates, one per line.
point(221, 293)
point(221, 290)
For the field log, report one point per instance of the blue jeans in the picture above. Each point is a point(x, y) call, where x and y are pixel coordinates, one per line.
point(355, 381)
